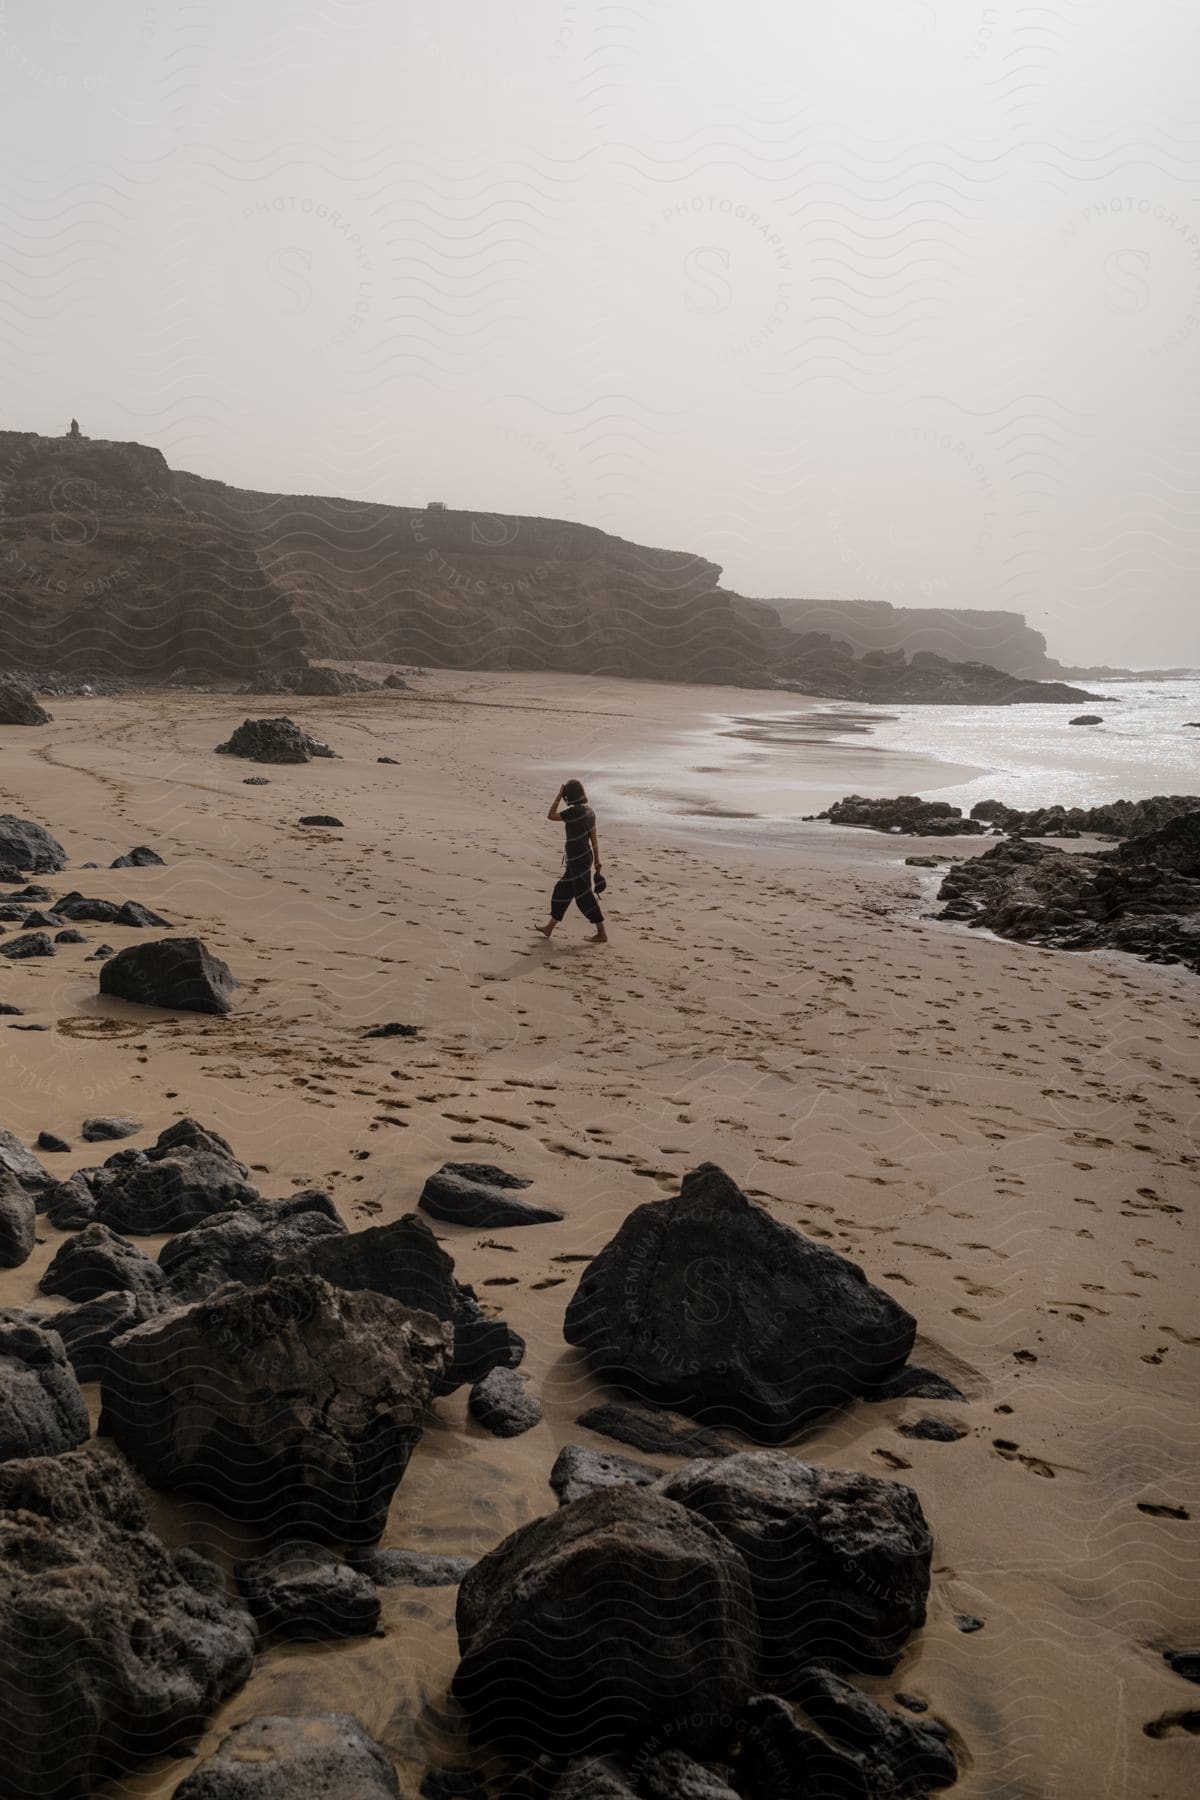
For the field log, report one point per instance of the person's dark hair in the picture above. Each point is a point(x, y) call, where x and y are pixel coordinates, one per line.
point(573, 792)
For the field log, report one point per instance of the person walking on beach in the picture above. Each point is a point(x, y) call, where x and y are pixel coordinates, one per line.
point(581, 859)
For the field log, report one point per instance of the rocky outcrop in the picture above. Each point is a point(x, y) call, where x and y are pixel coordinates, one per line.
point(405, 1261)
point(148, 1196)
point(29, 847)
point(42, 1411)
point(503, 1404)
point(316, 679)
point(249, 1245)
point(19, 1160)
point(113, 1649)
point(578, 1471)
point(1114, 819)
point(140, 857)
point(19, 705)
point(179, 974)
point(88, 1328)
point(1142, 898)
point(907, 813)
point(838, 1744)
point(324, 1756)
point(305, 1591)
point(620, 1611)
point(18, 1226)
point(480, 1194)
point(83, 908)
point(96, 1262)
point(295, 1405)
point(273, 741)
point(706, 1303)
point(839, 1562)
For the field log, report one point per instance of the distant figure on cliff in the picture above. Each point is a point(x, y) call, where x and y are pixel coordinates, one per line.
point(74, 428)
point(581, 858)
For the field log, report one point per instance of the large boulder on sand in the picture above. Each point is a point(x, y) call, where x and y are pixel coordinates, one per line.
point(113, 1650)
point(29, 847)
point(405, 1261)
point(273, 741)
point(42, 1411)
point(706, 1303)
point(323, 1756)
point(150, 1195)
point(18, 1227)
point(619, 1612)
point(249, 1245)
point(19, 1160)
point(839, 1561)
point(97, 1261)
point(19, 705)
point(178, 973)
point(295, 1405)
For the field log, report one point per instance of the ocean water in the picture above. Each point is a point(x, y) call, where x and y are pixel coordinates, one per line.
point(765, 766)
point(1033, 756)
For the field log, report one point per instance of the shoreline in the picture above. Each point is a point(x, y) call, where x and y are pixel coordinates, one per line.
point(1005, 1143)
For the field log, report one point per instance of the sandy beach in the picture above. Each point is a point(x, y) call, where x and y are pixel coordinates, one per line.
point(1003, 1137)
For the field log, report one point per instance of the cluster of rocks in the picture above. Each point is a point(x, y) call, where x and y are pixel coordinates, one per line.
point(660, 1634)
point(19, 705)
point(273, 741)
point(1143, 897)
point(906, 813)
point(317, 679)
point(910, 814)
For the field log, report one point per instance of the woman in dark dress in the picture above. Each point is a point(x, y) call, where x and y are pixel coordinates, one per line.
point(581, 859)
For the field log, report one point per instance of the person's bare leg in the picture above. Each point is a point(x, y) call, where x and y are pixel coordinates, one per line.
point(601, 936)
point(546, 929)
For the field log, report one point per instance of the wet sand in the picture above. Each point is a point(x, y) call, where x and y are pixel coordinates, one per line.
point(1003, 1137)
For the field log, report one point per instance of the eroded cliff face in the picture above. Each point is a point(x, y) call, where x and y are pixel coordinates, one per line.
point(959, 634)
point(111, 562)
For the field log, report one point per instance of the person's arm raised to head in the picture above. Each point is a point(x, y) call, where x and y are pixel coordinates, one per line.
point(553, 813)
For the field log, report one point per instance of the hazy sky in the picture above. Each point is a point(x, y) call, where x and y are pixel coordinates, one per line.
point(889, 298)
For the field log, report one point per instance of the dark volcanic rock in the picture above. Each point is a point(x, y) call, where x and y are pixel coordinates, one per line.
point(578, 1471)
point(305, 1591)
point(673, 1775)
point(503, 1404)
point(839, 1562)
point(140, 857)
point(100, 1130)
point(84, 908)
point(393, 1029)
point(69, 937)
point(1184, 1662)
point(405, 1261)
point(89, 1328)
point(1114, 818)
point(907, 813)
point(598, 1778)
point(42, 1412)
point(249, 1245)
point(189, 1134)
point(411, 1568)
point(656, 1430)
point(706, 1303)
point(321, 1756)
point(1143, 897)
point(19, 706)
point(100, 1262)
point(177, 973)
point(470, 1194)
point(30, 943)
point(111, 1653)
point(273, 741)
point(295, 1405)
point(18, 1221)
point(838, 1745)
point(148, 1197)
point(30, 848)
point(326, 819)
point(937, 1431)
point(618, 1612)
point(1086, 719)
point(71, 1204)
point(21, 1162)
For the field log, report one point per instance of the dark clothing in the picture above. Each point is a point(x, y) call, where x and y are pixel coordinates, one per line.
point(575, 883)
